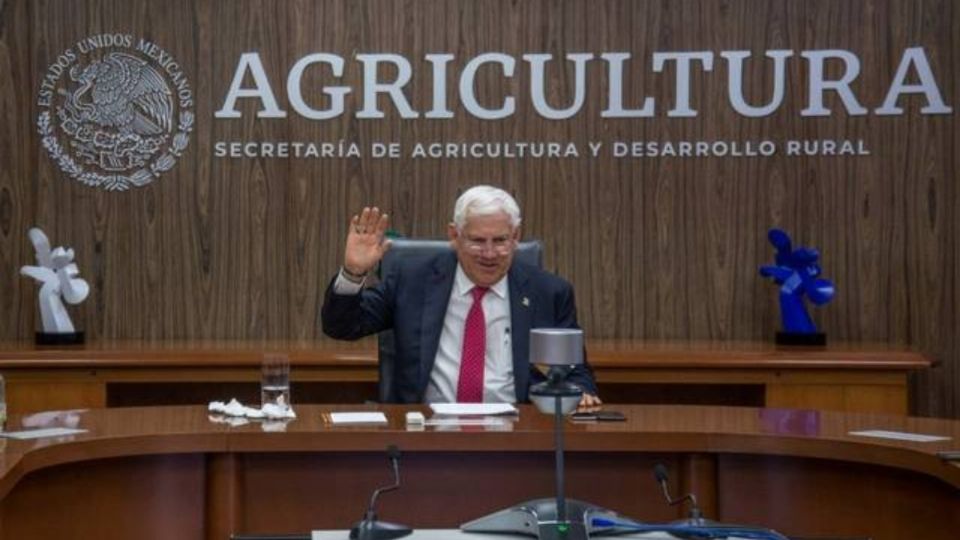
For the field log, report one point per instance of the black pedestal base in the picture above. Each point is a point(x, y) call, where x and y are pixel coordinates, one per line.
point(816, 339)
point(60, 338)
point(378, 530)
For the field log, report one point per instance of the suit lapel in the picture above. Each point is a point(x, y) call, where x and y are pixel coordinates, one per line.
point(437, 295)
point(521, 314)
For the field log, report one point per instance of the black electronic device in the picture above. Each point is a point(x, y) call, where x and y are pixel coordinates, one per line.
point(949, 455)
point(598, 416)
point(370, 528)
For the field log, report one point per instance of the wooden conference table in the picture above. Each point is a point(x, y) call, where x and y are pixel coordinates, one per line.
point(175, 472)
point(853, 377)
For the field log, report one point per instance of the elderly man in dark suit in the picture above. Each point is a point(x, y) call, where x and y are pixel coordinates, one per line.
point(461, 319)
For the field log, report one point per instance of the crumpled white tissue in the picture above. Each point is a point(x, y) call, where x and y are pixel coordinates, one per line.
point(235, 408)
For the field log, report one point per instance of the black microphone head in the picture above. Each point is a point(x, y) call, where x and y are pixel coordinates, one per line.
point(393, 452)
point(660, 473)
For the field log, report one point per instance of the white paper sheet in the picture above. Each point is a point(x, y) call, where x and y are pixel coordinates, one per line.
point(899, 435)
point(41, 433)
point(454, 421)
point(365, 418)
point(473, 409)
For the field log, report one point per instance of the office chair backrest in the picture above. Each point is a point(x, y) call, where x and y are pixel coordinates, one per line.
point(402, 249)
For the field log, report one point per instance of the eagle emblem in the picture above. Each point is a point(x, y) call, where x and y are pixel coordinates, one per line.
point(121, 113)
point(117, 114)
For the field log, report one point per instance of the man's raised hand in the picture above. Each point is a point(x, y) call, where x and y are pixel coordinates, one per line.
point(365, 241)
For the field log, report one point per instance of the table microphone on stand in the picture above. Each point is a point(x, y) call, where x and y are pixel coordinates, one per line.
point(557, 517)
point(696, 527)
point(695, 517)
point(370, 528)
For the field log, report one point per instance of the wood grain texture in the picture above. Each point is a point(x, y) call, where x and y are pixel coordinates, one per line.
point(658, 248)
point(759, 466)
point(122, 374)
point(177, 487)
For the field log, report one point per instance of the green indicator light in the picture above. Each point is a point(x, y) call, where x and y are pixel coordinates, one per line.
point(563, 528)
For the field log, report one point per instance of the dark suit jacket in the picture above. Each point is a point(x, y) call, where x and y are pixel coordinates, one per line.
point(413, 302)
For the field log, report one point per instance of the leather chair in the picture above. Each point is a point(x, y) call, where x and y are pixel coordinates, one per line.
point(403, 249)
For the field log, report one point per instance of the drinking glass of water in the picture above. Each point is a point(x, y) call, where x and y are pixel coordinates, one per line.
point(275, 380)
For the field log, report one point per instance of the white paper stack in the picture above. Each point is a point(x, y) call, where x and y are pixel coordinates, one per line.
point(474, 409)
point(358, 418)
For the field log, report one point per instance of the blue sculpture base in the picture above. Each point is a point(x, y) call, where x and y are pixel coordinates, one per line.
point(60, 338)
point(811, 339)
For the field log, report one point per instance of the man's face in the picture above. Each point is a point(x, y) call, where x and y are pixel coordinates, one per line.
point(485, 247)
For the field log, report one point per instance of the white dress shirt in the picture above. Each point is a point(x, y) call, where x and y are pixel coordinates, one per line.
point(344, 286)
point(498, 385)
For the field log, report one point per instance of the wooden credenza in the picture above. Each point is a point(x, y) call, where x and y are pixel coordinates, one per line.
point(175, 472)
point(854, 378)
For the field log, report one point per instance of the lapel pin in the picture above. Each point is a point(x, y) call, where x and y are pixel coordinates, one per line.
point(525, 302)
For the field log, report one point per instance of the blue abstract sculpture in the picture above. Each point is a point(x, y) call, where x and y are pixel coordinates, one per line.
point(797, 271)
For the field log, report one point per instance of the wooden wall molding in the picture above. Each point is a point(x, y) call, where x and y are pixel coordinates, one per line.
point(658, 248)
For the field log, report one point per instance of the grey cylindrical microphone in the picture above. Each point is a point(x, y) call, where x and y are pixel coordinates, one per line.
point(561, 349)
point(556, 346)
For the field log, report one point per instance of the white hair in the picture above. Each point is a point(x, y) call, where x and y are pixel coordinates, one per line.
point(485, 201)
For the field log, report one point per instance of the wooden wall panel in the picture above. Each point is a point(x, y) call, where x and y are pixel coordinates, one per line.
point(657, 247)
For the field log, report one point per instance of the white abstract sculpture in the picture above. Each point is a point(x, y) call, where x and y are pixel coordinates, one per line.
point(58, 274)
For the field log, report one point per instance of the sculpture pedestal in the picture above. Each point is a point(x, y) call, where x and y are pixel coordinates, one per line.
point(60, 338)
point(814, 339)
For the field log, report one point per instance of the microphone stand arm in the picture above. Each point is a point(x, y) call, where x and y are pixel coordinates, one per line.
point(558, 459)
point(371, 514)
point(370, 528)
point(695, 513)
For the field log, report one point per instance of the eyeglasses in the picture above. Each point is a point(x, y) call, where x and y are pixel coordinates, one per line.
point(500, 246)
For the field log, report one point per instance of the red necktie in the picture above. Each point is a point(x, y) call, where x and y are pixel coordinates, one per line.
point(470, 385)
